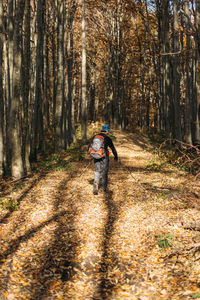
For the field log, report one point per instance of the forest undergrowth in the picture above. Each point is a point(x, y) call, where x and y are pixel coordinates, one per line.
point(140, 240)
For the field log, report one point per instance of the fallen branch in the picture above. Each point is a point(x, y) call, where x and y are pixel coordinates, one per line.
point(192, 226)
point(20, 179)
point(179, 251)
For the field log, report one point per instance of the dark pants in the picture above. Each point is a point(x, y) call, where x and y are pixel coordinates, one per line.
point(101, 166)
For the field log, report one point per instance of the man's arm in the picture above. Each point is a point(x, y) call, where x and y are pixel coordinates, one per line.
point(112, 147)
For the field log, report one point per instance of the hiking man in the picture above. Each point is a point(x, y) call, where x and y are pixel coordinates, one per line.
point(98, 149)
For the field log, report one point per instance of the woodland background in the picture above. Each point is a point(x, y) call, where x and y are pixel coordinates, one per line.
point(69, 63)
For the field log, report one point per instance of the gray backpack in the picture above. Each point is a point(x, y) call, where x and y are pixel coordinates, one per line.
point(96, 148)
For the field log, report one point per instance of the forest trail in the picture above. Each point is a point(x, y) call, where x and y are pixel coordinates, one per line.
point(65, 243)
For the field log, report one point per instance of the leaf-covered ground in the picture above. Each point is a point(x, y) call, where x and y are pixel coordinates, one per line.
point(65, 243)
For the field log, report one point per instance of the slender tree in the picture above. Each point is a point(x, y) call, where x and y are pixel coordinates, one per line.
point(26, 63)
point(2, 39)
point(83, 79)
point(70, 65)
point(166, 104)
point(17, 169)
point(188, 77)
point(59, 134)
point(9, 81)
point(196, 113)
point(38, 118)
point(176, 76)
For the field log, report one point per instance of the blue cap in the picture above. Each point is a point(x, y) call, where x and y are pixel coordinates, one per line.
point(105, 128)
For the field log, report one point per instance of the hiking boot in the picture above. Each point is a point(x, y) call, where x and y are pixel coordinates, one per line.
point(103, 190)
point(95, 188)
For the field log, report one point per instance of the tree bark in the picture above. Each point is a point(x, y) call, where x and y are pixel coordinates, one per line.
point(1, 88)
point(70, 76)
point(37, 118)
point(26, 90)
point(176, 77)
point(83, 79)
point(59, 134)
point(196, 120)
point(188, 79)
point(9, 86)
point(17, 170)
point(166, 103)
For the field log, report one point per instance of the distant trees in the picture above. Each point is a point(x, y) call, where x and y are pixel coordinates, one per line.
point(176, 67)
point(37, 93)
point(63, 63)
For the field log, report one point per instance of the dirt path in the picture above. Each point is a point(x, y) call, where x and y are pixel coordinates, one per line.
point(66, 243)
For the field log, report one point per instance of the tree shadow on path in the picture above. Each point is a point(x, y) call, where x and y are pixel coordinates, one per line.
point(25, 193)
point(14, 245)
point(59, 258)
point(106, 286)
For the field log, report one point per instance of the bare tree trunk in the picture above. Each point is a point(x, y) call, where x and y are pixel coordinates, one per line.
point(47, 67)
point(1, 89)
point(83, 79)
point(92, 94)
point(17, 170)
point(26, 90)
point(70, 66)
point(9, 78)
point(166, 107)
point(73, 109)
point(10, 48)
point(37, 121)
point(157, 118)
point(196, 119)
point(188, 81)
point(117, 66)
point(176, 78)
point(142, 85)
point(54, 67)
point(60, 82)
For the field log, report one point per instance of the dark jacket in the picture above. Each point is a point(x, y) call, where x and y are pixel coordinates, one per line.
point(107, 143)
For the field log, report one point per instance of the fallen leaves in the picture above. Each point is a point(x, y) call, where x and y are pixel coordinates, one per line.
point(64, 243)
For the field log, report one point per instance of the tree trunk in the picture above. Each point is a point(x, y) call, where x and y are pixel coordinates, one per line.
point(47, 76)
point(54, 69)
point(70, 76)
point(59, 144)
point(166, 107)
point(37, 122)
point(158, 95)
point(26, 90)
point(1, 89)
point(117, 38)
point(196, 115)
point(17, 170)
point(9, 66)
point(176, 77)
point(10, 48)
point(188, 82)
point(83, 79)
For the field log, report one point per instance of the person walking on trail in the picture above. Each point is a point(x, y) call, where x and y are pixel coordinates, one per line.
point(98, 149)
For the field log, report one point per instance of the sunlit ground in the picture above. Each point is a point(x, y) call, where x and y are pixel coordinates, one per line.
point(66, 243)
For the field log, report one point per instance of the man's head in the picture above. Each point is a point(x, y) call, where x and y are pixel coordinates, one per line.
point(105, 128)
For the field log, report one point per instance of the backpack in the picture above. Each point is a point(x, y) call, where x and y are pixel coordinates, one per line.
point(96, 148)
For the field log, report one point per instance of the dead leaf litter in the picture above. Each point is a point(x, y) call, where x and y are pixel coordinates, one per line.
point(130, 243)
